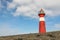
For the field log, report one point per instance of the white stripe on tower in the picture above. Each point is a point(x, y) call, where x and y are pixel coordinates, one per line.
point(41, 19)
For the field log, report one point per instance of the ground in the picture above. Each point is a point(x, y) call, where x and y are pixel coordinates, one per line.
point(34, 36)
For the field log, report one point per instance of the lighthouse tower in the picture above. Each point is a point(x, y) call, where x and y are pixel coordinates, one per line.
point(42, 28)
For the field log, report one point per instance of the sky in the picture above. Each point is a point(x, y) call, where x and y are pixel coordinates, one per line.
point(21, 16)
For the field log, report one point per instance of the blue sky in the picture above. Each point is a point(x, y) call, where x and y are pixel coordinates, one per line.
point(21, 16)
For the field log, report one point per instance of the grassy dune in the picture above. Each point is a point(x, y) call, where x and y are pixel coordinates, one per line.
point(34, 36)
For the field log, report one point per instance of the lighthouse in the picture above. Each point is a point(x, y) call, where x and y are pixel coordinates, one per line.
point(42, 28)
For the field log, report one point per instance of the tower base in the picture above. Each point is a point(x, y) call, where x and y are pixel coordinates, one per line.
point(42, 28)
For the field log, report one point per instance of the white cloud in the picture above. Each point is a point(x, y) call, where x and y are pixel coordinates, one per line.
point(22, 1)
point(47, 3)
point(52, 26)
point(11, 5)
point(57, 26)
point(23, 9)
point(29, 7)
point(6, 29)
point(1, 6)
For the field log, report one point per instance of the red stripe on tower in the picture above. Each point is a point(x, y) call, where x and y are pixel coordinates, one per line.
point(42, 28)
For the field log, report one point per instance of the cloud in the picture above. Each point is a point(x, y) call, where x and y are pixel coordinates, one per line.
point(25, 11)
point(50, 26)
point(1, 6)
point(6, 29)
point(57, 26)
point(11, 5)
point(54, 27)
point(31, 8)
point(22, 1)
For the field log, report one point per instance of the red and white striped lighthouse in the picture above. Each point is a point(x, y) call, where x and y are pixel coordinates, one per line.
point(42, 28)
